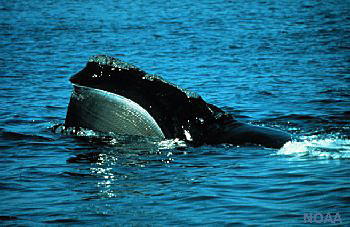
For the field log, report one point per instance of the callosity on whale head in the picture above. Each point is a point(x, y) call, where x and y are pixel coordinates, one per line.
point(112, 95)
point(172, 112)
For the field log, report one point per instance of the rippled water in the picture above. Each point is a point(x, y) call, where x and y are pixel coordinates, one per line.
point(284, 64)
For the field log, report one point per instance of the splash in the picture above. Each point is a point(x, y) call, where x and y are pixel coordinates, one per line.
point(119, 140)
point(171, 144)
point(313, 146)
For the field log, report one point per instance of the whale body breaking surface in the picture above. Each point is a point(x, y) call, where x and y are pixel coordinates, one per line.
point(110, 95)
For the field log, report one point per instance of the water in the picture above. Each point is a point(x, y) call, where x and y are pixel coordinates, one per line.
point(283, 64)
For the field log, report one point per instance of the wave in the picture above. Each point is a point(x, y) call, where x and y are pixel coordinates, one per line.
point(123, 140)
point(318, 147)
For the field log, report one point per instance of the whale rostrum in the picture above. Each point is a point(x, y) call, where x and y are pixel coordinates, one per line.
point(110, 95)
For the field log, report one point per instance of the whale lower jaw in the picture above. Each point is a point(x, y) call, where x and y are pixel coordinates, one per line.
point(113, 96)
point(108, 112)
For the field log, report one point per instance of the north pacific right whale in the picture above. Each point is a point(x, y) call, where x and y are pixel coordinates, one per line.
point(110, 95)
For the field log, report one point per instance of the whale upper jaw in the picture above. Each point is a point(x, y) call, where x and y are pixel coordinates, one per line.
point(178, 113)
point(113, 96)
point(108, 112)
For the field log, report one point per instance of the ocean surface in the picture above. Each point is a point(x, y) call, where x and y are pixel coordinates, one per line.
point(282, 64)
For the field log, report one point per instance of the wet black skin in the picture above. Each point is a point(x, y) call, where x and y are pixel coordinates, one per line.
point(174, 109)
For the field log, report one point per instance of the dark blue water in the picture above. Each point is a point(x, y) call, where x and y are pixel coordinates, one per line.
point(284, 64)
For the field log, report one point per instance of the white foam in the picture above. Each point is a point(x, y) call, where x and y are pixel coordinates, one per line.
point(312, 146)
point(171, 144)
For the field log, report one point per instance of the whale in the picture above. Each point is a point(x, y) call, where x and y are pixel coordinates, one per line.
point(111, 95)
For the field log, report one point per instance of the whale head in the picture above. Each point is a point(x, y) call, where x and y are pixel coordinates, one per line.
point(112, 95)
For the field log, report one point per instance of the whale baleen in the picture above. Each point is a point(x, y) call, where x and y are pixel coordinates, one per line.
point(110, 95)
